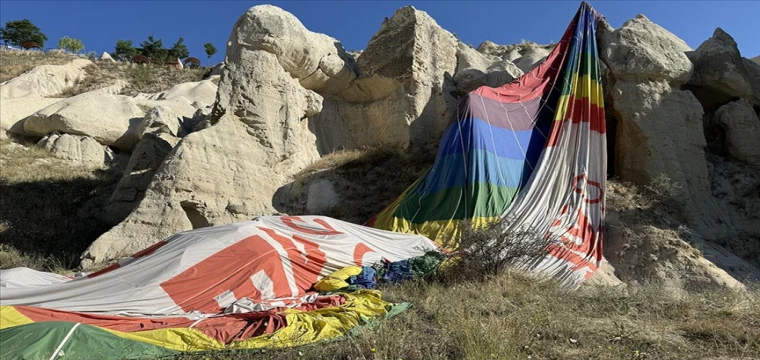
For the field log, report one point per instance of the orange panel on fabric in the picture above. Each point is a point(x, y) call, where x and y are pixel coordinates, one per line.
point(228, 270)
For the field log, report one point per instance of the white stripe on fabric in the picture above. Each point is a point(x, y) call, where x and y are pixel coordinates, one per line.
point(65, 339)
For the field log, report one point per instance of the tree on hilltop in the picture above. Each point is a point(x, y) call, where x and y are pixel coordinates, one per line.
point(70, 44)
point(179, 50)
point(124, 50)
point(18, 32)
point(210, 50)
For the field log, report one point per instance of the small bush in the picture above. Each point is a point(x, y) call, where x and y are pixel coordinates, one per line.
point(490, 250)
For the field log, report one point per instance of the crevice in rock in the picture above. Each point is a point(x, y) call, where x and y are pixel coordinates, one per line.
point(193, 213)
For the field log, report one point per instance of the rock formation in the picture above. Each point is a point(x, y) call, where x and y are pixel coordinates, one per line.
point(45, 80)
point(80, 149)
point(110, 119)
point(286, 96)
point(719, 72)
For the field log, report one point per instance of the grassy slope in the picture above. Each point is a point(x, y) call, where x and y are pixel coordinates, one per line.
point(515, 317)
point(13, 63)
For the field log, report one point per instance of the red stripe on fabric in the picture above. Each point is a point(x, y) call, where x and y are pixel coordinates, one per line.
point(538, 81)
point(306, 267)
point(327, 228)
point(561, 253)
point(228, 270)
point(224, 328)
point(580, 110)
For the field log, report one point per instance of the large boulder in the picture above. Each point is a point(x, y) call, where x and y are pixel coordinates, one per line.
point(110, 119)
point(13, 111)
point(641, 50)
point(317, 61)
point(741, 129)
point(403, 95)
point(44, 80)
point(256, 137)
point(80, 149)
point(659, 131)
point(531, 58)
point(160, 119)
point(204, 91)
point(719, 71)
point(475, 70)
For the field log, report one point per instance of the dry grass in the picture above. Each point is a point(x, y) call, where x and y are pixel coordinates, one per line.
point(516, 317)
point(15, 63)
point(139, 78)
point(47, 207)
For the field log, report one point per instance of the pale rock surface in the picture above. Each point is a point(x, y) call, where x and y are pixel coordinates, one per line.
point(660, 132)
point(113, 89)
point(641, 50)
point(741, 127)
point(217, 69)
point(605, 276)
point(719, 71)
point(257, 136)
point(160, 119)
point(204, 91)
point(110, 119)
point(475, 70)
point(44, 80)
point(403, 96)
point(531, 58)
point(106, 57)
point(321, 197)
point(317, 61)
point(13, 111)
point(80, 149)
point(146, 158)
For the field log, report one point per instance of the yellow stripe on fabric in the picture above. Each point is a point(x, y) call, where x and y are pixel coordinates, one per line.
point(440, 231)
point(10, 317)
point(180, 339)
point(586, 88)
point(321, 324)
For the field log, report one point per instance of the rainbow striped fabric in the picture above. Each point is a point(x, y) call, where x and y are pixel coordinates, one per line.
point(531, 154)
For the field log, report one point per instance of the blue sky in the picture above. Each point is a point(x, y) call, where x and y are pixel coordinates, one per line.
point(100, 23)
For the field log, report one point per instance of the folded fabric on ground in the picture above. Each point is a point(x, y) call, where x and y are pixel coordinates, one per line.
point(243, 285)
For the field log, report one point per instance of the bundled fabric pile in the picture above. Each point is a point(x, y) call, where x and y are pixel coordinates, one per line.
point(241, 286)
point(531, 155)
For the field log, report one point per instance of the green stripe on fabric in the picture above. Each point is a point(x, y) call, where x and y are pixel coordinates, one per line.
point(40, 340)
point(476, 200)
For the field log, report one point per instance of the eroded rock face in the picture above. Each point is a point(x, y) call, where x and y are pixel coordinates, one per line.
point(641, 50)
point(741, 129)
point(317, 61)
point(80, 149)
point(110, 119)
point(719, 71)
point(258, 135)
point(475, 70)
point(160, 119)
point(659, 126)
point(44, 80)
point(146, 158)
point(13, 111)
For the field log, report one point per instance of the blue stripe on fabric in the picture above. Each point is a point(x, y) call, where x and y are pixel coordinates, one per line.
point(476, 166)
point(474, 133)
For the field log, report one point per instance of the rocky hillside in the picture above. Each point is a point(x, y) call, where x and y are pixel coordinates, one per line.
point(298, 125)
